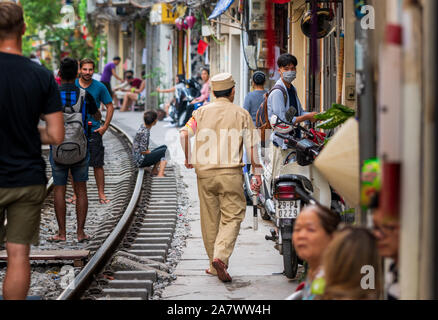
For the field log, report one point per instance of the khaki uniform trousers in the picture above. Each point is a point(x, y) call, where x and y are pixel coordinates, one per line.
point(223, 208)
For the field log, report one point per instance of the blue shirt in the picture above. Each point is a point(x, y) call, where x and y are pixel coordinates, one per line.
point(277, 106)
point(252, 102)
point(100, 94)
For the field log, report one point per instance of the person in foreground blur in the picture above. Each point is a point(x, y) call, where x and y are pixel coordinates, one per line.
point(27, 91)
point(351, 266)
point(313, 231)
point(387, 233)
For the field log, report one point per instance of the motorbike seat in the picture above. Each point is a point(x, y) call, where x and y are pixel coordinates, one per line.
point(301, 180)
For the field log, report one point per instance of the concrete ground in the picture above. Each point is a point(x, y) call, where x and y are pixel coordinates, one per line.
point(256, 267)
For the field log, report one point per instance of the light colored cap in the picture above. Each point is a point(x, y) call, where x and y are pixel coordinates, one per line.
point(222, 81)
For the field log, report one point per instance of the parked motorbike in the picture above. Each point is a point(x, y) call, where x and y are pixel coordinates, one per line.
point(181, 110)
point(298, 182)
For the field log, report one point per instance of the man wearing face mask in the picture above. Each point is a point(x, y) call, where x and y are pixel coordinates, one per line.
point(287, 67)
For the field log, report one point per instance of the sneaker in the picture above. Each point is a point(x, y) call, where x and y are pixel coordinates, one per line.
point(168, 119)
point(170, 125)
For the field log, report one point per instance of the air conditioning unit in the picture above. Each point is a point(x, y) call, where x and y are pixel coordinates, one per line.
point(256, 14)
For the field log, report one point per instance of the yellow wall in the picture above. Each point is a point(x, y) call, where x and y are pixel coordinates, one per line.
point(299, 49)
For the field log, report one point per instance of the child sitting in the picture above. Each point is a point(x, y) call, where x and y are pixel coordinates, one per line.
point(144, 157)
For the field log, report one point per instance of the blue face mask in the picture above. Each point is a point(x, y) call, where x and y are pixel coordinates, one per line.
point(289, 76)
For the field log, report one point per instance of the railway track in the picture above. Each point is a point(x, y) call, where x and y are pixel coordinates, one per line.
point(131, 236)
point(141, 249)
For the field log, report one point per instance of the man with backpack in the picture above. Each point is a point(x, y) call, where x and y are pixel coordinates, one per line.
point(282, 97)
point(72, 154)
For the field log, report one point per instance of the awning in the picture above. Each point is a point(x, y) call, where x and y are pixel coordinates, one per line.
point(220, 8)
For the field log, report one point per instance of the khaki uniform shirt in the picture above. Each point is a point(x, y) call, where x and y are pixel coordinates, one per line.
point(221, 129)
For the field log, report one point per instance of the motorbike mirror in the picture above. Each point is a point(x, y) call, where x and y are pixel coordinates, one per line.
point(290, 114)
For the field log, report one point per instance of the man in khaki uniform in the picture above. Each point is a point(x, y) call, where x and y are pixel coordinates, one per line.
point(221, 128)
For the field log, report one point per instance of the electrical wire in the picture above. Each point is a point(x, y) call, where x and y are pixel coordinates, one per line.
point(244, 30)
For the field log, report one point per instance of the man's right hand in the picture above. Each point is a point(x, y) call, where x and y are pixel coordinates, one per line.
point(255, 185)
point(188, 165)
point(311, 116)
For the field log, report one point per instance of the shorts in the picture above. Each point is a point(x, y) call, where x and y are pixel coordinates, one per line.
point(108, 86)
point(79, 171)
point(21, 208)
point(97, 150)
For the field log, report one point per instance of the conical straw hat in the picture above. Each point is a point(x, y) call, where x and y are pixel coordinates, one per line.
point(339, 162)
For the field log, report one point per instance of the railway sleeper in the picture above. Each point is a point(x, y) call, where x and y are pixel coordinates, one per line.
point(125, 293)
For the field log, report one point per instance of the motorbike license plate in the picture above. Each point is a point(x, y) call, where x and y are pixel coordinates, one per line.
point(287, 209)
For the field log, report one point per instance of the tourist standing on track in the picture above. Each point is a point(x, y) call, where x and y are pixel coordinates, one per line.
point(97, 150)
point(74, 100)
point(27, 91)
point(218, 165)
point(108, 71)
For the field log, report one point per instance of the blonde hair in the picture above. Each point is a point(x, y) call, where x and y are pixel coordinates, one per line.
point(351, 249)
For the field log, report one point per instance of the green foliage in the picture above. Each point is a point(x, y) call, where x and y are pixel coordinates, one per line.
point(42, 18)
point(83, 10)
point(140, 27)
point(41, 14)
point(335, 116)
point(156, 75)
point(198, 23)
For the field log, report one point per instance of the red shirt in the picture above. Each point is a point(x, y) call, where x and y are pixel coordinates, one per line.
point(136, 83)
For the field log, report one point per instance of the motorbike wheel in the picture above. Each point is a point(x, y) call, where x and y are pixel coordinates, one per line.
point(182, 117)
point(290, 260)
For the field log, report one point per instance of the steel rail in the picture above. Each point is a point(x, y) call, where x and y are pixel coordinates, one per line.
point(100, 258)
point(49, 185)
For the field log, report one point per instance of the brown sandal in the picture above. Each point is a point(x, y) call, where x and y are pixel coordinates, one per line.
point(221, 269)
